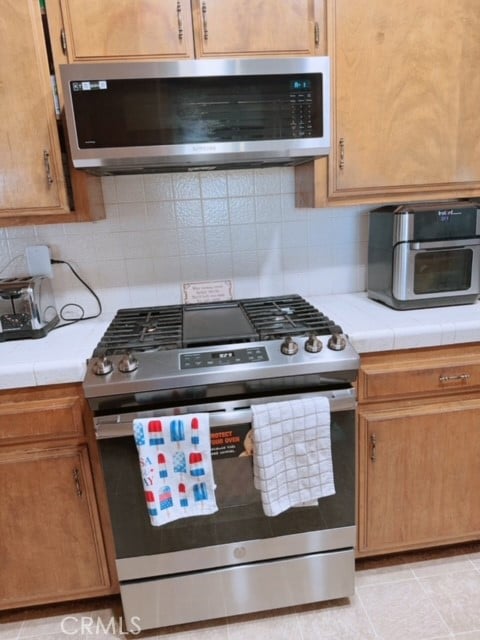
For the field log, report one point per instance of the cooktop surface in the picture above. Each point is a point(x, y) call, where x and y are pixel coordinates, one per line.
point(182, 326)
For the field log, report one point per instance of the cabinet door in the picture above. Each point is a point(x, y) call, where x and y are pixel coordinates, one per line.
point(126, 30)
point(418, 475)
point(257, 27)
point(50, 543)
point(31, 175)
point(405, 104)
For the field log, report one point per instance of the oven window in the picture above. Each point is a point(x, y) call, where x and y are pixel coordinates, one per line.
point(240, 516)
point(439, 271)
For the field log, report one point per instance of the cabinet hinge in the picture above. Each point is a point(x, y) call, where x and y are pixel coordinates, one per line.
point(204, 20)
point(373, 447)
point(63, 40)
point(341, 153)
point(48, 170)
point(179, 20)
point(76, 480)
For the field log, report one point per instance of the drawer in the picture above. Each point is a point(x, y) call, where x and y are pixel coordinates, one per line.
point(41, 413)
point(419, 372)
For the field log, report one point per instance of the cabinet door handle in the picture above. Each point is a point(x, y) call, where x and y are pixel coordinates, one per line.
point(76, 479)
point(179, 20)
point(48, 170)
point(317, 34)
point(373, 447)
point(460, 377)
point(204, 20)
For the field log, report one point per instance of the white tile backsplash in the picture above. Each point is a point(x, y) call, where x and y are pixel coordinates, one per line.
point(164, 229)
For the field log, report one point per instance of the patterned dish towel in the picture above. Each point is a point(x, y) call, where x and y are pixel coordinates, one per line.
point(176, 466)
point(292, 461)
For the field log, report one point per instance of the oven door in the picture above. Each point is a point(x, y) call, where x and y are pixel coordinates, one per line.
point(441, 269)
point(238, 532)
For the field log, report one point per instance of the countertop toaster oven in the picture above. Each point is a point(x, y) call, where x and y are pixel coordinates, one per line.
point(424, 255)
point(27, 308)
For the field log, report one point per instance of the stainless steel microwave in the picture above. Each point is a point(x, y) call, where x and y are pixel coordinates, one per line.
point(424, 255)
point(139, 117)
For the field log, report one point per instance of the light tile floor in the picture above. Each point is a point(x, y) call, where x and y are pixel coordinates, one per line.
point(424, 596)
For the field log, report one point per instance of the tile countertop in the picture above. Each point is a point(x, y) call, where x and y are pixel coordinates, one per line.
point(61, 356)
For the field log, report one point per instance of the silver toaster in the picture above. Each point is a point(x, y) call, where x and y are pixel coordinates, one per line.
point(27, 308)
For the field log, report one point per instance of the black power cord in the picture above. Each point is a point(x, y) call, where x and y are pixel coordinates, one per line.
point(83, 317)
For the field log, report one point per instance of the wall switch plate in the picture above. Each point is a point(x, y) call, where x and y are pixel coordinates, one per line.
point(38, 261)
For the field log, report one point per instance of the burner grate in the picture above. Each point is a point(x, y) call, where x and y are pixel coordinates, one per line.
point(143, 329)
point(162, 328)
point(281, 316)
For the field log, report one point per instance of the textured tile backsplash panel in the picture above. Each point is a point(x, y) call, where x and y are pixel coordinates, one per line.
point(165, 229)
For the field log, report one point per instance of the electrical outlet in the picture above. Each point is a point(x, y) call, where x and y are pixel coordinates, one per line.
point(38, 261)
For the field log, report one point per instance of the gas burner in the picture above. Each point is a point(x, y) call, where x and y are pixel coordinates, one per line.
point(163, 328)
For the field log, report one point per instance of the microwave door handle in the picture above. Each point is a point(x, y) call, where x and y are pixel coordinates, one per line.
point(439, 245)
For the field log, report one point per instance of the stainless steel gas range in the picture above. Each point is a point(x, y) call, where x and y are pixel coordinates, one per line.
point(223, 359)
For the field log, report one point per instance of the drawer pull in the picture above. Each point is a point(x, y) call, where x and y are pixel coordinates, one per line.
point(460, 377)
point(373, 447)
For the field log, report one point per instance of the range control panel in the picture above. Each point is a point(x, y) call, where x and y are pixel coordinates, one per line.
point(247, 355)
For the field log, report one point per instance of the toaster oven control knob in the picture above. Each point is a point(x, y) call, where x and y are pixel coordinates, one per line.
point(102, 365)
point(128, 363)
point(289, 347)
point(313, 344)
point(337, 342)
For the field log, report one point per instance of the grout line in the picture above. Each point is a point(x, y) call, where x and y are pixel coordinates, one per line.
point(434, 605)
point(369, 620)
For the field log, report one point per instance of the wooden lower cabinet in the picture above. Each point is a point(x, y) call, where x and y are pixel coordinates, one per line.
point(418, 452)
point(420, 475)
point(52, 542)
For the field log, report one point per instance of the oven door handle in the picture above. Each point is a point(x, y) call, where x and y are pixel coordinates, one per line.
point(117, 426)
point(112, 429)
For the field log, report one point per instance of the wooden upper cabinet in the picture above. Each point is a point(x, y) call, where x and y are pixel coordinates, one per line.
point(35, 186)
point(176, 29)
point(257, 27)
point(126, 30)
point(406, 90)
point(31, 176)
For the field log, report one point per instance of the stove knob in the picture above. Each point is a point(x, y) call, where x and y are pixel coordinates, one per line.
point(337, 342)
point(128, 363)
point(313, 344)
point(102, 365)
point(289, 347)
